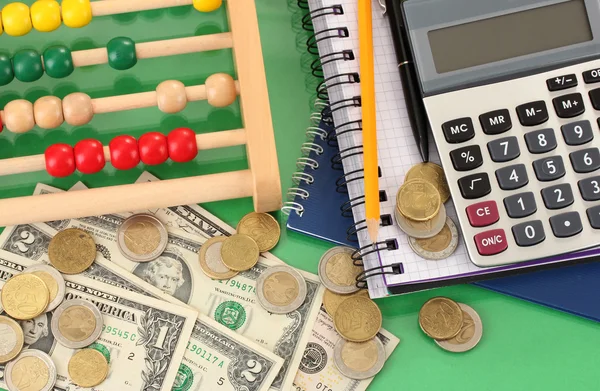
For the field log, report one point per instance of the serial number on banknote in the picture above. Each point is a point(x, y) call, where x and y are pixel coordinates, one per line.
point(238, 285)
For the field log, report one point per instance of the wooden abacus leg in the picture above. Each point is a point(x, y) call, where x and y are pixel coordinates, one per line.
point(254, 102)
point(126, 198)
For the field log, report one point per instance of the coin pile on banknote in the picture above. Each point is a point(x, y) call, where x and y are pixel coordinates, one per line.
point(39, 289)
point(142, 237)
point(421, 214)
point(455, 327)
point(223, 257)
point(358, 353)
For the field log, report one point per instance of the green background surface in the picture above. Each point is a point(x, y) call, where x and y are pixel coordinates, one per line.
point(524, 346)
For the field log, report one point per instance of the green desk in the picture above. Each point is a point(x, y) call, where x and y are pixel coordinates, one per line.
point(524, 347)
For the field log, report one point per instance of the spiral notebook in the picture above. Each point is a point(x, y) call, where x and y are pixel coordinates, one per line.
point(391, 266)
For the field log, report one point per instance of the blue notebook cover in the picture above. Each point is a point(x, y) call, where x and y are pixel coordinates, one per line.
point(315, 209)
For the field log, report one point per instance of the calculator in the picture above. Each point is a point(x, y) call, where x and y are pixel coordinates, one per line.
point(512, 92)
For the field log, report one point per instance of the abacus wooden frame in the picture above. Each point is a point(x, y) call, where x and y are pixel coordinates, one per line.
point(260, 181)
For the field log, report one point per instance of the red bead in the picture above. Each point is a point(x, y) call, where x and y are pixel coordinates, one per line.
point(124, 153)
point(182, 145)
point(153, 148)
point(60, 160)
point(1, 125)
point(89, 156)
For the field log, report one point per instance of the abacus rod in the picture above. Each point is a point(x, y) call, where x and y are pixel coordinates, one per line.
point(144, 99)
point(167, 47)
point(204, 141)
point(125, 198)
point(113, 7)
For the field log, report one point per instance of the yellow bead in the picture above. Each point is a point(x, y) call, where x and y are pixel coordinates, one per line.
point(45, 15)
point(207, 5)
point(76, 13)
point(1, 28)
point(16, 19)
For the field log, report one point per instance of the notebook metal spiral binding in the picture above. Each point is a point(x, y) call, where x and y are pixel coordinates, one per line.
point(305, 164)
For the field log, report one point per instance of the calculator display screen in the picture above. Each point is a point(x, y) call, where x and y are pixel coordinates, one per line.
point(508, 36)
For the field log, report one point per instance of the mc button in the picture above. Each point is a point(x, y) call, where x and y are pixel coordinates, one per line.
point(491, 242)
point(458, 130)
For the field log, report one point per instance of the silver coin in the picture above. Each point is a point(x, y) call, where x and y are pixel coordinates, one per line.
point(421, 229)
point(281, 289)
point(337, 271)
point(77, 323)
point(359, 360)
point(23, 369)
point(57, 277)
point(444, 253)
point(142, 238)
point(469, 335)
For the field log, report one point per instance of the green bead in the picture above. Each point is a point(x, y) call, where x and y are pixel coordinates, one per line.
point(121, 53)
point(6, 70)
point(27, 65)
point(58, 62)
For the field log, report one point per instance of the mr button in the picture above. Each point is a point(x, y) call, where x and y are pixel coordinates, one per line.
point(483, 213)
point(458, 130)
point(491, 242)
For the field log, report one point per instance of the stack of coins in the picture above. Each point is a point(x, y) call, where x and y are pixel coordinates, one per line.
point(421, 214)
point(455, 327)
point(142, 238)
point(75, 323)
point(358, 354)
point(223, 257)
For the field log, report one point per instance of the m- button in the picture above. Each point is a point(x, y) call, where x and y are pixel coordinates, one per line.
point(532, 113)
point(491, 242)
point(483, 213)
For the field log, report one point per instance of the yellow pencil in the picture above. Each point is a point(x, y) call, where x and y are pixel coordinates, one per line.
point(369, 120)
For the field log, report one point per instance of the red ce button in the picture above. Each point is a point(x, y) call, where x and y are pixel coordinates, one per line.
point(483, 213)
point(491, 242)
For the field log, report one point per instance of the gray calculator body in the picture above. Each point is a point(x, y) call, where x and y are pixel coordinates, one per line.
point(512, 92)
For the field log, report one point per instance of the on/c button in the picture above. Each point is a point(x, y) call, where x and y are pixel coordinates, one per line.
point(491, 242)
point(483, 213)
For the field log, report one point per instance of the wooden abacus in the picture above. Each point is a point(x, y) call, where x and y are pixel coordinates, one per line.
point(260, 181)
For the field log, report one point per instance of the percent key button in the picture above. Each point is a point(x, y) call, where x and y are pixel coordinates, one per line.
point(466, 158)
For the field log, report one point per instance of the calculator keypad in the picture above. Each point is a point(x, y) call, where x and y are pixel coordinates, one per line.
point(512, 177)
point(549, 169)
point(466, 158)
point(529, 233)
point(569, 106)
point(504, 149)
point(528, 165)
point(533, 113)
point(566, 225)
point(558, 196)
point(585, 160)
point(520, 205)
point(540, 141)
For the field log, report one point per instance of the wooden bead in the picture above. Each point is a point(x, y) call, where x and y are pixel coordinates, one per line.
point(124, 153)
point(78, 109)
point(220, 90)
point(89, 156)
point(18, 116)
point(45, 15)
point(48, 112)
point(207, 5)
point(76, 13)
point(60, 160)
point(182, 145)
point(170, 96)
point(16, 19)
point(153, 148)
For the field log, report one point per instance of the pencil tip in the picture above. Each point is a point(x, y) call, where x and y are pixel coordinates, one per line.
point(373, 229)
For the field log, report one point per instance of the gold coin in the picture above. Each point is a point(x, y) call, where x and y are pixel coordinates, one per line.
point(441, 318)
point(72, 251)
point(262, 227)
point(432, 173)
point(211, 262)
point(239, 252)
point(437, 243)
point(418, 200)
point(332, 300)
point(88, 368)
point(469, 335)
point(25, 296)
point(358, 319)
point(11, 339)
